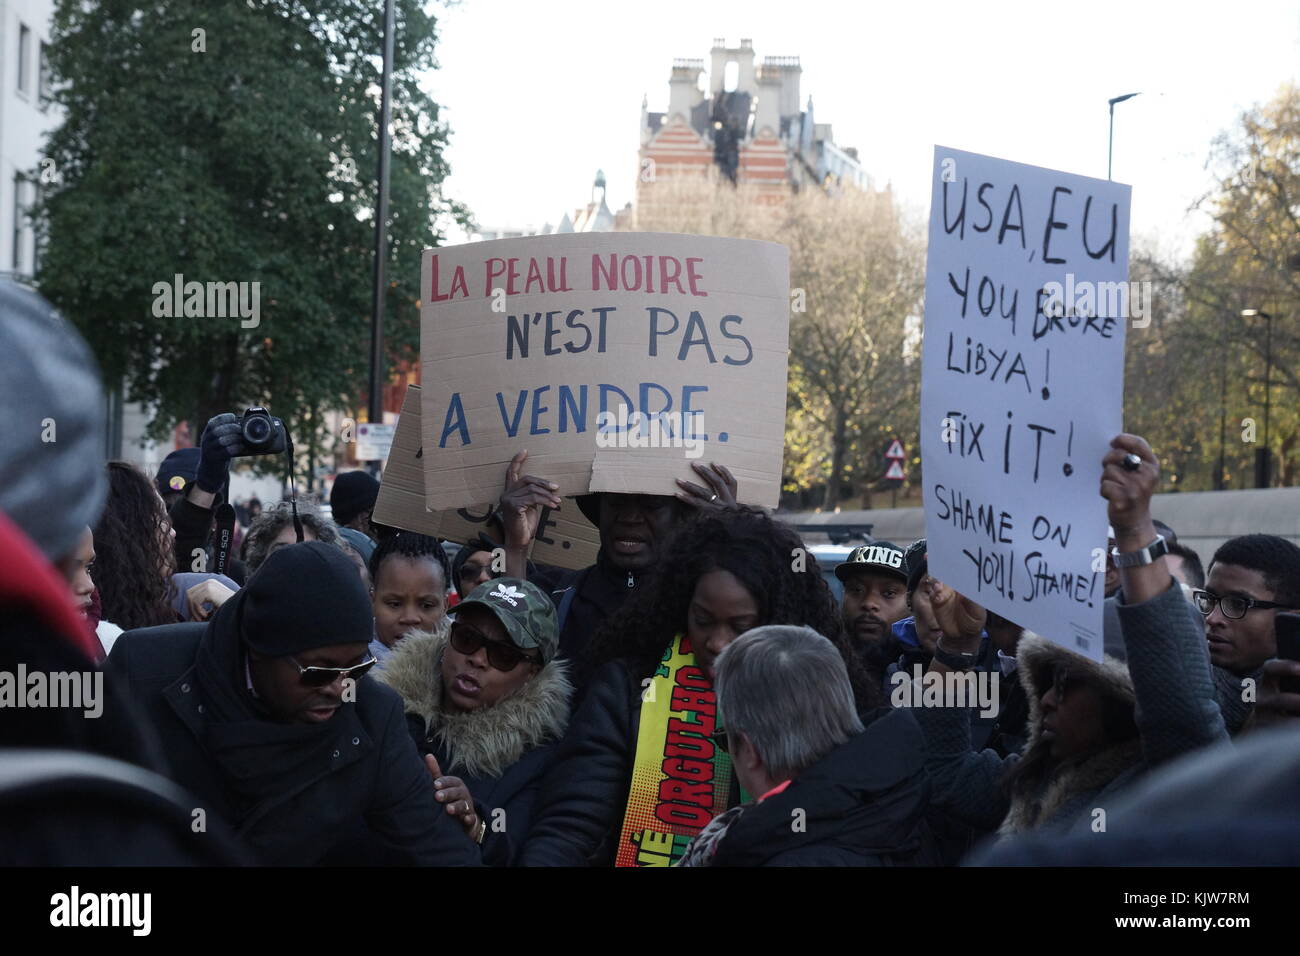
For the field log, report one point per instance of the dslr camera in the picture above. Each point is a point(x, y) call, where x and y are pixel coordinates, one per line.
point(262, 433)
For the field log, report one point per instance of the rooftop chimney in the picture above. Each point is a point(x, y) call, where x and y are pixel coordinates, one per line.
point(684, 88)
point(742, 56)
point(787, 69)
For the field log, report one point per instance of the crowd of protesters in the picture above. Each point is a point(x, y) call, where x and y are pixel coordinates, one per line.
point(328, 690)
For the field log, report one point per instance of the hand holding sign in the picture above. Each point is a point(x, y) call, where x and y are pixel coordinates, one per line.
point(721, 492)
point(1128, 491)
point(961, 619)
point(1128, 494)
point(522, 502)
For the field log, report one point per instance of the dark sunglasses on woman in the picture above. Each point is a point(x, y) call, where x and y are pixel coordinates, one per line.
point(467, 639)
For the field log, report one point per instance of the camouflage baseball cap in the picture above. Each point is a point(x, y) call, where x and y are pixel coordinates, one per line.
point(524, 610)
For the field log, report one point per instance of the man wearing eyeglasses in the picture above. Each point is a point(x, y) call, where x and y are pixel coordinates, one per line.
point(1251, 578)
point(267, 717)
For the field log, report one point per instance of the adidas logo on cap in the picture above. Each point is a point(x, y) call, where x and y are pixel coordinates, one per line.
point(508, 593)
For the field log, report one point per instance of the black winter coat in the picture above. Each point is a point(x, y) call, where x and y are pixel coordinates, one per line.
point(580, 807)
point(863, 804)
point(373, 775)
point(597, 592)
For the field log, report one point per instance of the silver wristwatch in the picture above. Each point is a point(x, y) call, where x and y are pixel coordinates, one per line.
point(955, 661)
point(1134, 559)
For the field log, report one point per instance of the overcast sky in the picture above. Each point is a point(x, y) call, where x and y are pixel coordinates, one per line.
point(542, 93)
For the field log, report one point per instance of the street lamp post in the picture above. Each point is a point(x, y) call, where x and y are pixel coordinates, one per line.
point(1220, 484)
point(1110, 147)
point(376, 410)
point(1262, 462)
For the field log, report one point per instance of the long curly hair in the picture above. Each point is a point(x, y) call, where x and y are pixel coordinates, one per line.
point(134, 560)
point(763, 554)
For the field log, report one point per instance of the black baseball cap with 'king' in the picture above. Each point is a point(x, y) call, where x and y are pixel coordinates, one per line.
point(881, 557)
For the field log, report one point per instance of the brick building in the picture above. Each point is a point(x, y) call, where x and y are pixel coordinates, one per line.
point(747, 128)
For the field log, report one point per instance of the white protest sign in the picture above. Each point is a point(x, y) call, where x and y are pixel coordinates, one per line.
point(615, 359)
point(374, 441)
point(1026, 300)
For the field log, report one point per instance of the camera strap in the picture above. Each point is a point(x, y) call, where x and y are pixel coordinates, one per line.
point(293, 493)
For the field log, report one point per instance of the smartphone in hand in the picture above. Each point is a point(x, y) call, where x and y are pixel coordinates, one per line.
point(1288, 646)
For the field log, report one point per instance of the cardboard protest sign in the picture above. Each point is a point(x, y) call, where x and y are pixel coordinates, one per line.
point(615, 359)
point(566, 539)
point(1026, 305)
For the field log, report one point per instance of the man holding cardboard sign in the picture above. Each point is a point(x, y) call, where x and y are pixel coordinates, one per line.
point(634, 532)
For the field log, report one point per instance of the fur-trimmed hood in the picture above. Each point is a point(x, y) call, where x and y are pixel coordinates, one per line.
point(1036, 661)
point(484, 742)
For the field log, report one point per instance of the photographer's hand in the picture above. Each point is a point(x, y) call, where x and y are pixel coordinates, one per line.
point(221, 442)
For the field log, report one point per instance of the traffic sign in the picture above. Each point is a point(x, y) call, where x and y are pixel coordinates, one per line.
point(374, 441)
point(895, 472)
point(896, 452)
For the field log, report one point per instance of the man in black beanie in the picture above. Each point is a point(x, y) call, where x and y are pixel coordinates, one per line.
point(352, 499)
point(266, 717)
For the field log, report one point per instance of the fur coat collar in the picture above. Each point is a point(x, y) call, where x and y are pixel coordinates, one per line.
point(484, 742)
point(1036, 662)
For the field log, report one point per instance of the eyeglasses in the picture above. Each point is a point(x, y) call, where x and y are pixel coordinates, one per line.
point(467, 639)
point(1233, 606)
point(719, 738)
point(324, 676)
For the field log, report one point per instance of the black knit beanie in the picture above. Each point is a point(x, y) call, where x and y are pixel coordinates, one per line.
point(353, 493)
point(916, 560)
point(305, 596)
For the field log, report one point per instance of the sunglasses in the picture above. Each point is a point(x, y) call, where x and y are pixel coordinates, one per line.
point(467, 639)
point(324, 676)
point(1233, 606)
point(1063, 680)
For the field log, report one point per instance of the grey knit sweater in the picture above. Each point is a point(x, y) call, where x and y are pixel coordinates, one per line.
point(1231, 693)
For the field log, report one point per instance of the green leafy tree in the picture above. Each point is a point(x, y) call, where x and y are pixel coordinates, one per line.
point(857, 274)
point(1196, 378)
point(237, 142)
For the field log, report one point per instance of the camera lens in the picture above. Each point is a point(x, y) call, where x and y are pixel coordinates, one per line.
point(257, 430)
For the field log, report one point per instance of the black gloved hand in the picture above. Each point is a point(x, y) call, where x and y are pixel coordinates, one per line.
point(222, 440)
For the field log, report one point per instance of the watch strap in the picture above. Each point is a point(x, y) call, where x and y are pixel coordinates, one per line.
point(1148, 555)
point(958, 662)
